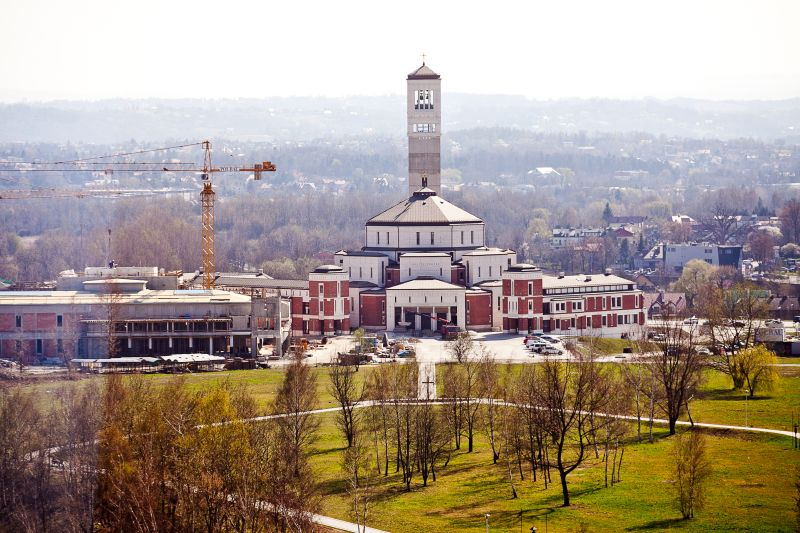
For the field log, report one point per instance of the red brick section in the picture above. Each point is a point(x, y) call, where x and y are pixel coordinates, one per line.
point(392, 276)
point(7, 322)
point(372, 310)
point(628, 301)
point(45, 321)
point(29, 322)
point(480, 309)
point(458, 275)
point(297, 305)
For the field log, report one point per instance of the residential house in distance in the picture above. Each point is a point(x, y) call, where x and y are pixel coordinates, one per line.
point(671, 258)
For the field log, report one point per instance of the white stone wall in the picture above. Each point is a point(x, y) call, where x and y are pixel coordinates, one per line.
point(484, 267)
point(364, 268)
point(415, 265)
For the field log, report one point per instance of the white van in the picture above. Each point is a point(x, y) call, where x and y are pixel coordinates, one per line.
point(536, 345)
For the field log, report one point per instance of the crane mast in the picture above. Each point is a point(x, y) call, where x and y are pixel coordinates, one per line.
point(207, 202)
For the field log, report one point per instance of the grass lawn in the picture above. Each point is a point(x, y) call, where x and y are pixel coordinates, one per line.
point(718, 403)
point(751, 489)
point(262, 384)
point(610, 346)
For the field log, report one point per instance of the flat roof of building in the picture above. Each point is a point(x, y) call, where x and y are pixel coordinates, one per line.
point(360, 253)
point(424, 254)
point(140, 297)
point(489, 251)
point(583, 280)
point(261, 283)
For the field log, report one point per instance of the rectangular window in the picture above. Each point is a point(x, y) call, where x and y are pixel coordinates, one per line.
point(370, 272)
point(498, 303)
point(409, 271)
point(490, 271)
point(18, 321)
point(360, 273)
point(378, 235)
point(604, 320)
point(530, 305)
point(530, 288)
point(60, 346)
point(431, 237)
point(479, 271)
point(60, 321)
point(462, 237)
point(39, 346)
point(472, 237)
point(417, 238)
point(387, 238)
point(321, 290)
point(321, 306)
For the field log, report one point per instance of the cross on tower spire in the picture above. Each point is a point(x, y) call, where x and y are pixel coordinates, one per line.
point(423, 58)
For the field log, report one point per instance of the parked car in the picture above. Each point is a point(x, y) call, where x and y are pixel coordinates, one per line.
point(536, 346)
point(551, 350)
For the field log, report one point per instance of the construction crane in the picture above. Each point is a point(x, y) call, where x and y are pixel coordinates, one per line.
point(207, 195)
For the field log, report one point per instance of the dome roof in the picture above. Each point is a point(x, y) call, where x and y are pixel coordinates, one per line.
point(328, 269)
point(423, 208)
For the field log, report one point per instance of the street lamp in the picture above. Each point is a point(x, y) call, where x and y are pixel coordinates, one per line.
point(746, 395)
point(486, 517)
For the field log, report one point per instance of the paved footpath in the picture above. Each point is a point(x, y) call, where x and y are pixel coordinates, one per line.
point(342, 525)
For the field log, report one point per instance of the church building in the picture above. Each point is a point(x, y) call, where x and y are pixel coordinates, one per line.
point(425, 263)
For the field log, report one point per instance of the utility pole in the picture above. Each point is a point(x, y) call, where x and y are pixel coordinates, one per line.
point(278, 349)
point(746, 395)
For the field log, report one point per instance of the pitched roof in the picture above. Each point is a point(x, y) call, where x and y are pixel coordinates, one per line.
point(423, 73)
point(423, 207)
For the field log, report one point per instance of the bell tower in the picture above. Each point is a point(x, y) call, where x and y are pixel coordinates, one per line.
point(424, 114)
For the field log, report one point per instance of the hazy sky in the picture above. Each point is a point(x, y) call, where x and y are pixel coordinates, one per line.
point(89, 49)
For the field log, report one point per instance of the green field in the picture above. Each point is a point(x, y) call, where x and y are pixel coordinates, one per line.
point(751, 487)
point(717, 403)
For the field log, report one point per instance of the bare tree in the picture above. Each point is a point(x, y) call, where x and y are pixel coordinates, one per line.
point(719, 216)
point(378, 387)
point(431, 439)
point(296, 396)
point(403, 389)
point(490, 390)
point(347, 392)
point(360, 480)
point(692, 469)
point(526, 399)
point(452, 385)
point(461, 347)
point(571, 392)
point(677, 366)
point(790, 220)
